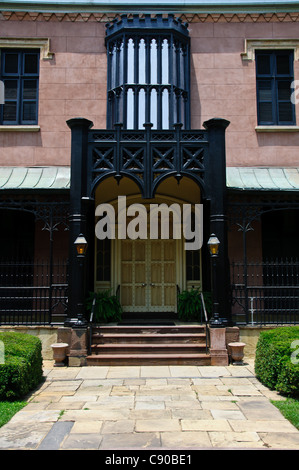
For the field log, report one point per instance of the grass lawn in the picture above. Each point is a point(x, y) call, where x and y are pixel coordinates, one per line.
point(290, 410)
point(8, 409)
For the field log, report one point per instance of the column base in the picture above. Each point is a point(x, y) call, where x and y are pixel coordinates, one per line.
point(218, 350)
point(78, 348)
point(219, 357)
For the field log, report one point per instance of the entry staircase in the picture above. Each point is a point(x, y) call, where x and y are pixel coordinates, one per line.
point(150, 344)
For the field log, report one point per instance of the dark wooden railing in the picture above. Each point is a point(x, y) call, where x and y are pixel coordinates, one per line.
point(33, 292)
point(265, 292)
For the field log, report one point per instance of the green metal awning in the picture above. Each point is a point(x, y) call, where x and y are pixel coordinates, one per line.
point(34, 178)
point(239, 178)
point(263, 179)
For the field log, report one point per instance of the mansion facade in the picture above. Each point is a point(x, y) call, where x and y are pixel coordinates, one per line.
point(178, 105)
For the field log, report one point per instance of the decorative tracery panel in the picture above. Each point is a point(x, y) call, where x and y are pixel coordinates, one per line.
point(147, 156)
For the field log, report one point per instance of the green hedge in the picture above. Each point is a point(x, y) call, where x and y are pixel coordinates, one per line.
point(275, 360)
point(22, 368)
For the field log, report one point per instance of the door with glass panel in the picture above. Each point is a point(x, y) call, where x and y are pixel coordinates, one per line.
point(148, 275)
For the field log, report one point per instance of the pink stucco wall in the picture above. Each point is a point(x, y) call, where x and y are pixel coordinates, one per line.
point(222, 85)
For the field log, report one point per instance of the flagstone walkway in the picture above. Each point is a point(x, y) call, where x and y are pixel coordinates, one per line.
point(150, 407)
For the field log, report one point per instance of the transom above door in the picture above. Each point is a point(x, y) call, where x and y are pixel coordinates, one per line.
point(148, 275)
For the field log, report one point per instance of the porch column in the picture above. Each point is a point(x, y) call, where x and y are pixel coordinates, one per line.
point(77, 222)
point(215, 178)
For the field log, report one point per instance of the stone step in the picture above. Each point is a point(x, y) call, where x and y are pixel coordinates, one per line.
point(100, 338)
point(146, 348)
point(153, 329)
point(148, 359)
point(148, 344)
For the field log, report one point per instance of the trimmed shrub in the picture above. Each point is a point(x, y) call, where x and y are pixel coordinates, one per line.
point(274, 365)
point(107, 307)
point(22, 368)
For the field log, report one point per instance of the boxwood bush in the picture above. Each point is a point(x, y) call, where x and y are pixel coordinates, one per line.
point(22, 368)
point(276, 360)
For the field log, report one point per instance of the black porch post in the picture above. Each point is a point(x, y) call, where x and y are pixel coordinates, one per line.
point(77, 223)
point(215, 177)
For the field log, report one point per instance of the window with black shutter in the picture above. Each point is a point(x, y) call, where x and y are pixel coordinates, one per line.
point(20, 75)
point(274, 75)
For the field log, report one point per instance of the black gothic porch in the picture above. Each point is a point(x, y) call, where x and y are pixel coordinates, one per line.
point(147, 157)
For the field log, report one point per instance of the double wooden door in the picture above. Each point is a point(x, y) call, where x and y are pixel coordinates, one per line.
point(148, 275)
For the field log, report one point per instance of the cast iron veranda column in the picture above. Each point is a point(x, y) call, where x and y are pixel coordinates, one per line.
point(215, 178)
point(77, 222)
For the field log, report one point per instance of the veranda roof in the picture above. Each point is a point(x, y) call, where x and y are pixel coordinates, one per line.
point(255, 178)
point(238, 178)
point(57, 177)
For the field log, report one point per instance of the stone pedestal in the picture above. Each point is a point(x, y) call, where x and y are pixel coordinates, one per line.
point(78, 347)
point(59, 353)
point(237, 352)
point(218, 351)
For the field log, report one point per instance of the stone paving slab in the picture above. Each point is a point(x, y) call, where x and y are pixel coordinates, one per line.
point(244, 440)
point(85, 427)
point(227, 414)
point(262, 426)
point(25, 436)
point(185, 440)
point(149, 407)
point(259, 410)
point(56, 435)
point(161, 425)
point(138, 441)
point(205, 425)
point(281, 440)
point(83, 441)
